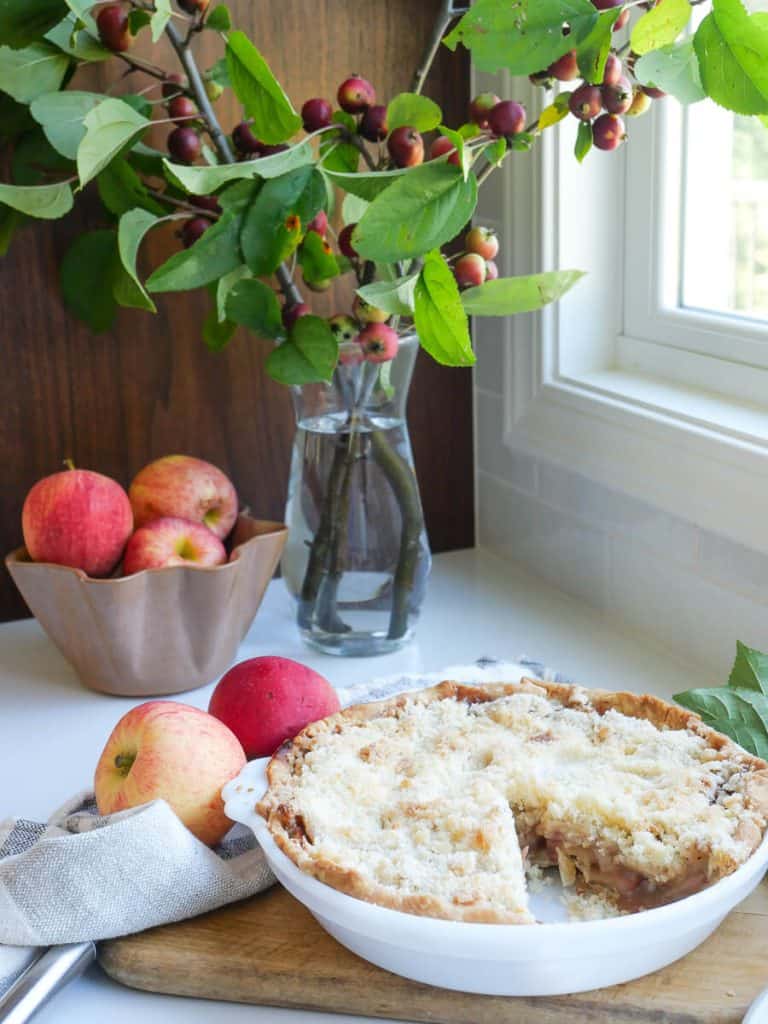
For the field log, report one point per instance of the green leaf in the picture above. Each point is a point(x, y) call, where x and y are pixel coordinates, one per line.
point(160, 18)
point(316, 259)
point(110, 127)
point(225, 285)
point(238, 197)
point(28, 73)
point(254, 305)
point(409, 108)
point(219, 74)
point(509, 295)
point(439, 316)
point(200, 180)
point(138, 103)
point(365, 186)
point(47, 202)
point(593, 51)
point(220, 20)
point(583, 142)
point(217, 333)
point(214, 254)
point(352, 208)
point(661, 25)
point(36, 162)
point(121, 190)
point(309, 355)
point(523, 36)
point(81, 9)
point(343, 118)
point(555, 112)
point(87, 273)
point(420, 211)
point(62, 116)
point(339, 156)
point(9, 222)
point(739, 713)
point(270, 229)
point(465, 157)
point(395, 297)
point(70, 36)
point(23, 21)
point(129, 290)
point(750, 669)
point(137, 20)
point(675, 69)
point(274, 119)
point(732, 48)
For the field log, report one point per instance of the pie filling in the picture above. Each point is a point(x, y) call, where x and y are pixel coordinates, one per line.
point(436, 804)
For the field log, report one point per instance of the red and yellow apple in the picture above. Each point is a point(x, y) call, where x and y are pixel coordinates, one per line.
point(268, 700)
point(77, 518)
point(186, 487)
point(172, 541)
point(163, 750)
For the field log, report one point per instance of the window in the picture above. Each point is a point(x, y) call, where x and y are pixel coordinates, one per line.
point(724, 213)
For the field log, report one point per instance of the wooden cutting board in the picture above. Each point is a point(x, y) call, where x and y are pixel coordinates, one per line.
point(269, 950)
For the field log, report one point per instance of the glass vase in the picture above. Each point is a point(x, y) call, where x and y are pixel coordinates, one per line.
point(357, 557)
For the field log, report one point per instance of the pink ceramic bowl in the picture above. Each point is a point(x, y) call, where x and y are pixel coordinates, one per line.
point(159, 631)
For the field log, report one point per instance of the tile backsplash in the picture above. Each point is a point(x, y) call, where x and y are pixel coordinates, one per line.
point(687, 589)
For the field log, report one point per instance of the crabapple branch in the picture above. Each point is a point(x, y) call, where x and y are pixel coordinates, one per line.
point(445, 16)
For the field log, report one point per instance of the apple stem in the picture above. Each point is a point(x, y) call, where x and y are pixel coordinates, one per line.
point(124, 763)
point(69, 463)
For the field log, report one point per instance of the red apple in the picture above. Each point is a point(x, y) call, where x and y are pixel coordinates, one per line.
point(163, 750)
point(189, 488)
point(77, 518)
point(266, 701)
point(169, 541)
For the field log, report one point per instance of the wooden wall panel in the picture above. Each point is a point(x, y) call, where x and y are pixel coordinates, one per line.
point(149, 387)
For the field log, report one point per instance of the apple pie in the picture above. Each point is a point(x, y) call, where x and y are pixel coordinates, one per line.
point(435, 802)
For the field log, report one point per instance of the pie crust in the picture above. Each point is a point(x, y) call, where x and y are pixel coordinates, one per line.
point(433, 802)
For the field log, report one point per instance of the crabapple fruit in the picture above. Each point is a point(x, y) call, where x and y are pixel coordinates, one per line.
point(316, 113)
point(114, 28)
point(442, 145)
point(184, 144)
point(244, 139)
point(608, 132)
point(181, 109)
point(206, 203)
point(356, 94)
point(343, 328)
point(379, 343)
point(480, 107)
point(292, 313)
point(406, 147)
point(469, 270)
point(613, 70)
point(194, 229)
point(373, 125)
point(653, 92)
point(617, 99)
point(565, 68)
point(641, 102)
point(507, 118)
point(174, 85)
point(193, 6)
point(368, 314)
point(345, 242)
point(483, 241)
point(319, 224)
point(491, 270)
point(586, 102)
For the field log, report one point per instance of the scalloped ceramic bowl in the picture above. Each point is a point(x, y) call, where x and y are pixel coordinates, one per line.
point(555, 957)
point(159, 631)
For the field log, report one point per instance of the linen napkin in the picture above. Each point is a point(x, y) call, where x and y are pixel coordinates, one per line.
point(81, 876)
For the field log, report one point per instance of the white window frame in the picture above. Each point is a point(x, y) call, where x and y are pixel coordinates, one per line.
point(670, 423)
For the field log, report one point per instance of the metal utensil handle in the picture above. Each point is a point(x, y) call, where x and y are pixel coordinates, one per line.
point(52, 971)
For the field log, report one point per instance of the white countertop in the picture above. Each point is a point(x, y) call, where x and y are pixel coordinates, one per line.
point(52, 730)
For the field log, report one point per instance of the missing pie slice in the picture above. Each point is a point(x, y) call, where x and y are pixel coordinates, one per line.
point(434, 802)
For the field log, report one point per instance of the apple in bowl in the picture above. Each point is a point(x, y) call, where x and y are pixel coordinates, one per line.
point(77, 518)
point(172, 541)
point(187, 488)
point(170, 751)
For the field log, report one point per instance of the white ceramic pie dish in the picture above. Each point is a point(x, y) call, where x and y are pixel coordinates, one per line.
point(552, 958)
